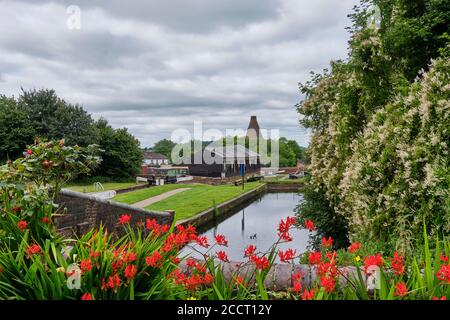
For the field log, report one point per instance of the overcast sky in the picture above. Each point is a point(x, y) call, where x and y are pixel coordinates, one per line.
point(156, 66)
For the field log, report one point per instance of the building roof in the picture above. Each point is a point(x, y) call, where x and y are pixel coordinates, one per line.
point(232, 152)
point(154, 156)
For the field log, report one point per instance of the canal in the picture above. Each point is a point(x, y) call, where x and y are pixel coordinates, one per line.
point(256, 224)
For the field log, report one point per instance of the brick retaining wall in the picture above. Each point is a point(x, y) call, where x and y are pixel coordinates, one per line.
point(79, 212)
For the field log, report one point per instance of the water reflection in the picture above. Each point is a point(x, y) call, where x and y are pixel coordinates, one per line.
point(258, 225)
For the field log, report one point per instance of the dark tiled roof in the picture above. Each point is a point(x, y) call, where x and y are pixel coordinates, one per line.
point(154, 156)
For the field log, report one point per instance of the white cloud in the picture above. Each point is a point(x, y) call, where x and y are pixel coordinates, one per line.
point(158, 66)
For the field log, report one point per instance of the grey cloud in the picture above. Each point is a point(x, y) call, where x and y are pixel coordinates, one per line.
point(155, 66)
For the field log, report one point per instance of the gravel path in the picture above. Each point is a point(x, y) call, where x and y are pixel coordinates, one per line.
point(162, 196)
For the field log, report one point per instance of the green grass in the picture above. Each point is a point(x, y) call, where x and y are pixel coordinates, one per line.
point(139, 195)
point(199, 198)
point(106, 185)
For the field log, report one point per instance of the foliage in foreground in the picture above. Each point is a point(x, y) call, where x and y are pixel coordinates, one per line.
point(36, 263)
point(380, 122)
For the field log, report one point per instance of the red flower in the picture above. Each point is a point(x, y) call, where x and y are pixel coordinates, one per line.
point(124, 219)
point(249, 251)
point(29, 152)
point(354, 247)
point(327, 269)
point(114, 282)
point(202, 241)
point(308, 295)
point(314, 258)
point(444, 274)
point(33, 249)
point(285, 236)
point(220, 240)
point(284, 226)
point(15, 209)
point(221, 255)
point(327, 242)
point(86, 296)
point(175, 260)
point(328, 283)
point(208, 279)
point(371, 261)
point(309, 224)
point(22, 225)
point(297, 276)
point(239, 280)
point(444, 258)
point(155, 260)
point(400, 289)
point(129, 257)
point(262, 263)
point(46, 220)
point(397, 263)
point(94, 254)
point(86, 265)
point(297, 287)
point(287, 255)
point(331, 255)
point(441, 298)
point(130, 271)
point(191, 263)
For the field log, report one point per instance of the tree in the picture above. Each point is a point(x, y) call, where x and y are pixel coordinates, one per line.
point(164, 147)
point(121, 153)
point(53, 118)
point(15, 130)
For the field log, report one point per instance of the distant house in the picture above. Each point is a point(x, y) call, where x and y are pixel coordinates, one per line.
point(155, 159)
point(227, 161)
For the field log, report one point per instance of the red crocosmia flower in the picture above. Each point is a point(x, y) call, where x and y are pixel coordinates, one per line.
point(249, 251)
point(286, 256)
point(222, 256)
point(239, 280)
point(284, 226)
point(354, 247)
point(328, 283)
point(400, 289)
point(327, 242)
point(29, 152)
point(191, 263)
point(175, 260)
point(315, 258)
point(327, 269)
point(46, 220)
point(220, 240)
point(94, 254)
point(444, 258)
point(15, 209)
point(441, 298)
point(113, 282)
point(297, 287)
point(86, 296)
point(86, 265)
point(444, 274)
point(202, 241)
point(262, 263)
point(398, 264)
point(285, 236)
point(208, 279)
point(129, 257)
point(370, 261)
point(309, 224)
point(308, 294)
point(130, 271)
point(33, 249)
point(22, 225)
point(331, 255)
point(124, 219)
point(297, 276)
point(154, 260)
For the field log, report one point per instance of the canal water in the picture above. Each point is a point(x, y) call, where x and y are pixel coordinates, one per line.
point(256, 224)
